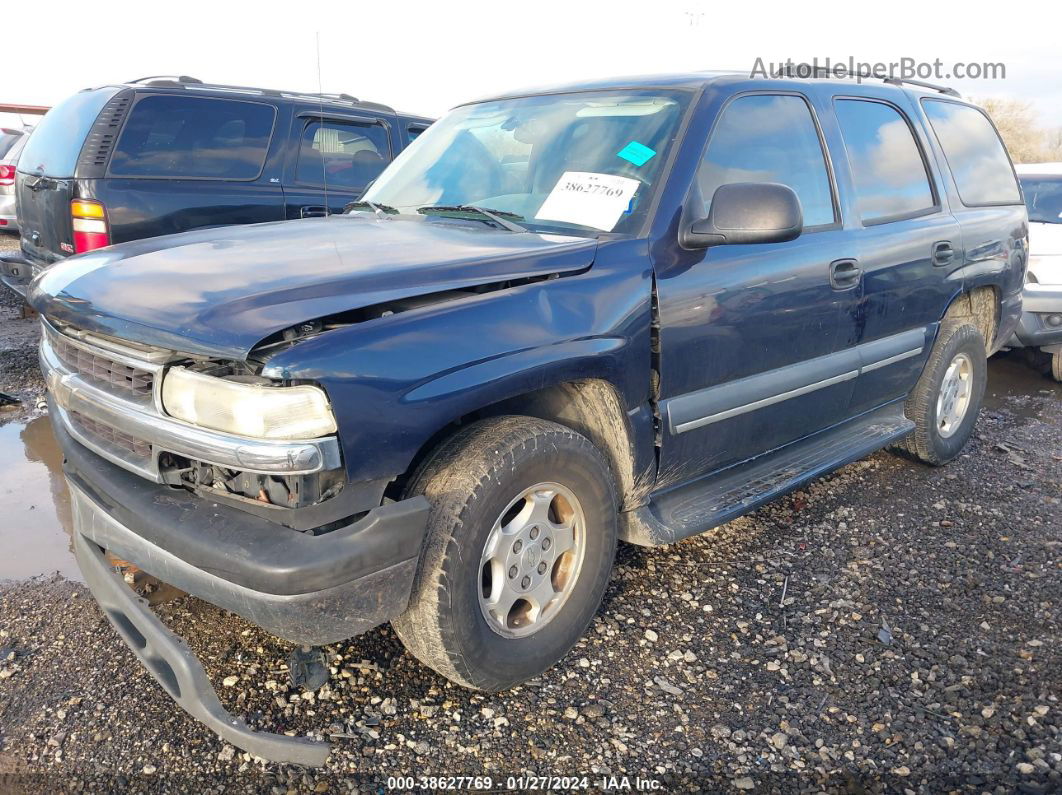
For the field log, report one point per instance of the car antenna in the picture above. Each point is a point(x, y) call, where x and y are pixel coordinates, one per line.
point(320, 99)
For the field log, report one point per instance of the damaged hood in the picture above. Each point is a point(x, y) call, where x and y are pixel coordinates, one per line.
point(221, 291)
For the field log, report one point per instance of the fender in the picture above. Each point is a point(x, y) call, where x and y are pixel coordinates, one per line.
point(444, 361)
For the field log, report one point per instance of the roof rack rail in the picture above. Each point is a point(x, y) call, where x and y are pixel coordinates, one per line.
point(809, 70)
point(179, 81)
point(166, 79)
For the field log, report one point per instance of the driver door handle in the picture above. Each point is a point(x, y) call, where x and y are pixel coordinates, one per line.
point(845, 274)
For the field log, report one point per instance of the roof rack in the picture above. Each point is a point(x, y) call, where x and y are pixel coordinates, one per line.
point(808, 70)
point(165, 79)
point(181, 81)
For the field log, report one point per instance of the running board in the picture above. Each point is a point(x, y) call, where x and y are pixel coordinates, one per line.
point(717, 499)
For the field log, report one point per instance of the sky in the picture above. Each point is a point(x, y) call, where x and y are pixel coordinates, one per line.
point(425, 57)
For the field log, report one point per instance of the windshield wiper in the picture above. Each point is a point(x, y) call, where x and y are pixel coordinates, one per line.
point(379, 209)
point(499, 217)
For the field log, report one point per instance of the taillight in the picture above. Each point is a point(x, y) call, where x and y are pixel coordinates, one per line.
point(7, 175)
point(90, 225)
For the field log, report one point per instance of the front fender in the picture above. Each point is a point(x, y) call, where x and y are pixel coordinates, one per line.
point(396, 381)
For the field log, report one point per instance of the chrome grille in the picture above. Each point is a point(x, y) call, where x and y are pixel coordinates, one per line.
point(115, 377)
point(112, 436)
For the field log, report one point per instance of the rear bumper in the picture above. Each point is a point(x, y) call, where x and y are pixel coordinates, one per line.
point(15, 270)
point(1040, 325)
point(307, 589)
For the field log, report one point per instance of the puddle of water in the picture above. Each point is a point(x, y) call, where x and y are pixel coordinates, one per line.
point(35, 515)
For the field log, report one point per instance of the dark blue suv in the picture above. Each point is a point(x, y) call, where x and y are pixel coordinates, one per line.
point(162, 155)
point(631, 310)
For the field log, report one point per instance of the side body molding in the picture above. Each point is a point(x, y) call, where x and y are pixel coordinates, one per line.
point(706, 406)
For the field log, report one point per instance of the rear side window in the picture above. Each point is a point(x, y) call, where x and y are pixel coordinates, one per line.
point(344, 155)
point(415, 131)
point(194, 137)
point(889, 173)
point(769, 138)
point(975, 154)
point(56, 142)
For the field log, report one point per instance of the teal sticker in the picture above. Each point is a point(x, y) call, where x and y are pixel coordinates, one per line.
point(636, 153)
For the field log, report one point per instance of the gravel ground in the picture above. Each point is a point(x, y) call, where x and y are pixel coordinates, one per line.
point(890, 628)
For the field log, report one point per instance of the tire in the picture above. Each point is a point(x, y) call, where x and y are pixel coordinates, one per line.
point(474, 481)
point(933, 441)
point(1056, 366)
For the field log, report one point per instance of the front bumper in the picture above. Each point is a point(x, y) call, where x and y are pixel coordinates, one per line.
point(1041, 320)
point(303, 588)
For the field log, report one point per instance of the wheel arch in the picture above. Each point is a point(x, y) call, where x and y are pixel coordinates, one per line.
point(592, 407)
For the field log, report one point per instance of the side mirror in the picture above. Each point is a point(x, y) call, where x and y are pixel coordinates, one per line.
point(747, 212)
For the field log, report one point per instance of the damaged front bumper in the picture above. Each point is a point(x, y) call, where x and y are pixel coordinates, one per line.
point(305, 588)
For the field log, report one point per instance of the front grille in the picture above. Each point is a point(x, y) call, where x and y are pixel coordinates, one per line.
point(112, 436)
point(113, 376)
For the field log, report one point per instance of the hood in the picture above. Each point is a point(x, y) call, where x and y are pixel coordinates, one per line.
point(221, 291)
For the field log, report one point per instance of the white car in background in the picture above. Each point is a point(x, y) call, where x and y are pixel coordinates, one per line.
point(1041, 323)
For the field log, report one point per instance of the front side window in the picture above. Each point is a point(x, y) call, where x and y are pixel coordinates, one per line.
point(189, 137)
point(343, 155)
point(580, 162)
point(890, 176)
point(974, 152)
point(1043, 197)
point(769, 138)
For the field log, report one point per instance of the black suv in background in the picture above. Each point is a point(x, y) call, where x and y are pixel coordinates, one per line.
point(159, 156)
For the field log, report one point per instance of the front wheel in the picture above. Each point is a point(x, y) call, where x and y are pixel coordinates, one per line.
point(519, 551)
point(947, 398)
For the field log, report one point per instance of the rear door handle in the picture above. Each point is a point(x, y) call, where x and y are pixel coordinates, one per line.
point(943, 253)
point(313, 211)
point(845, 274)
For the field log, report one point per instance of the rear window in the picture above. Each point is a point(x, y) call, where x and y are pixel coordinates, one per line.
point(56, 142)
point(975, 154)
point(194, 137)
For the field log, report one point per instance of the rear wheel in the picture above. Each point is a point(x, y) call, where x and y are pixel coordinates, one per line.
point(519, 551)
point(947, 398)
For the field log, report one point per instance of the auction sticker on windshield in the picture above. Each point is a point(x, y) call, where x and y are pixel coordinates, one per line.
point(588, 199)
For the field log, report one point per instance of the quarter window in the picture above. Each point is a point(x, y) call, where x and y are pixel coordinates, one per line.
point(975, 155)
point(171, 136)
point(769, 138)
point(889, 173)
point(342, 154)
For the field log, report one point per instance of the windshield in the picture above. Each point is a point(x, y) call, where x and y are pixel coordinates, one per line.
point(1043, 197)
point(571, 163)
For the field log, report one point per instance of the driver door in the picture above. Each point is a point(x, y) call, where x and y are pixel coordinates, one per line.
point(755, 339)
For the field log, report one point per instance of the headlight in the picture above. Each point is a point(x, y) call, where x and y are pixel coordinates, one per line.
point(261, 412)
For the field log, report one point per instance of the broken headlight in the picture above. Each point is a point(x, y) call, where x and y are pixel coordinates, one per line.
point(247, 409)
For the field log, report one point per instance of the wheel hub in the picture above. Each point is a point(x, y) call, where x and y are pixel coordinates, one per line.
point(531, 560)
point(956, 390)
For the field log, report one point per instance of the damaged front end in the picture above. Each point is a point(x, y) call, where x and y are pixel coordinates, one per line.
point(266, 526)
